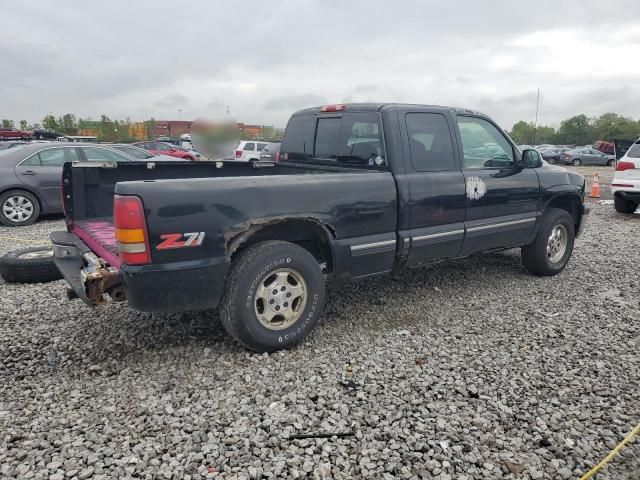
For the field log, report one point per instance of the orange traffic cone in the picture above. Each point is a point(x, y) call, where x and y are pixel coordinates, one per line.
point(595, 187)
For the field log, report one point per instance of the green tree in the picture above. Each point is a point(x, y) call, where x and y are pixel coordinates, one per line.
point(149, 126)
point(577, 130)
point(611, 125)
point(50, 122)
point(523, 133)
point(24, 125)
point(67, 123)
point(6, 123)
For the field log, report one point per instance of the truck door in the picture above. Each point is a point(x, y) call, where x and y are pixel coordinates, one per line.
point(436, 185)
point(501, 196)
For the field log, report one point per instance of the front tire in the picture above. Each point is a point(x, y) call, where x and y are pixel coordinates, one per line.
point(18, 208)
point(611, 162)
point(624, 206)
point(551, 250)
point(551, 161)
point(576, 162)
point(273, 296)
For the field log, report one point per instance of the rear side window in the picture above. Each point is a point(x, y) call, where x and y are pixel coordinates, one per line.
point(634, 151)
point(298, 138)
point(56, 157)
point(261, 146)
point(103, 155)
point(249, 147)
point(429, 142)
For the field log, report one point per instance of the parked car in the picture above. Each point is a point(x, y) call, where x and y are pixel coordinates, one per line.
point(247, 151)
point(162, 148)
point(13, 134)
point(270, 153)
point(344, 202)
point(141, 153)
point(46, 134)
point(625, 185)
point(30, 177)
point(587, 156)
point(553, 155)
point(604, 147)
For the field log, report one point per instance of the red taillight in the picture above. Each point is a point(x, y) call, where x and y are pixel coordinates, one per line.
point(238, 153)
point(338, 107)
point(131, 230)
point(277, 157)
point(622, 166)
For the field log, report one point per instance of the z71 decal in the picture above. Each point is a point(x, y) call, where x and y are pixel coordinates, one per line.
point(180, 240)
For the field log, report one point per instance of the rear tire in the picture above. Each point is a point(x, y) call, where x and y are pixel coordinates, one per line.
point(576, 162)
point(624, 206)
point(29, 265)
point(551, 161)
point(611, 163)
point(551, 250)
point(266, 277)
point(18, 208)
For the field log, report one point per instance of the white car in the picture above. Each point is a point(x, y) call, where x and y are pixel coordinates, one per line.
point(625, 185)
point(247, 151)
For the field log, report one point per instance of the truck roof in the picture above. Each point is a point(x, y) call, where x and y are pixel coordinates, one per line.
point(376, 107)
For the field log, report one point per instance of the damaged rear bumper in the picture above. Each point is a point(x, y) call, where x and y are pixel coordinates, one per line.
point(172, 287)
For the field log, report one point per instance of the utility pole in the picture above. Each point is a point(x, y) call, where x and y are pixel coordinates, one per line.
point(535, 125)
point(179, 114)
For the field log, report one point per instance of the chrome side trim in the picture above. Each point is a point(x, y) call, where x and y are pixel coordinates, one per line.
point(498, 225)
point(370, 246)
point(437, 235)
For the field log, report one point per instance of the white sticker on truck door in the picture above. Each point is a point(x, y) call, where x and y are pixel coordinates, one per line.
point(476, 188)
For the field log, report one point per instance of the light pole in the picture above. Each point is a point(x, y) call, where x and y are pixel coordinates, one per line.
point(179, 114)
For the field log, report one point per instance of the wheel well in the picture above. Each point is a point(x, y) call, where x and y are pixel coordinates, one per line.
point(310, 234)
point(28, 190)
point(570, 203)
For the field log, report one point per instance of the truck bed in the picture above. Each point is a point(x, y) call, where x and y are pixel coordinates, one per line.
point(99, 235)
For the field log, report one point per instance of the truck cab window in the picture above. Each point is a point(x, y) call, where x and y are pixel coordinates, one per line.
point(361, 140)
point(298, 139)
point(483, 145)
point(327, 138)
point(429, 142)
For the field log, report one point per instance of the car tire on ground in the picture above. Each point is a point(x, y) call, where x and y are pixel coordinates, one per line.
point(18, 208)
point(29, 265)
point(624, 206)
point(273, 297)
point(551, 250)
point(611, 163)
point(576, 162)
point(551, 161)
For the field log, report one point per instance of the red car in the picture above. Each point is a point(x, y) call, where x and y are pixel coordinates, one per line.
point(13, 134)
point(162, 148)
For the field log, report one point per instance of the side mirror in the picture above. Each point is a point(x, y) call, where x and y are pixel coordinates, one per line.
point(531, 158)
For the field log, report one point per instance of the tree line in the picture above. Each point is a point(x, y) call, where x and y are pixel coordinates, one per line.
point(108, 130)
point(578, 130)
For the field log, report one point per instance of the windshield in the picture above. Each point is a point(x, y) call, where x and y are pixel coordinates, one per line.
point(134, 152)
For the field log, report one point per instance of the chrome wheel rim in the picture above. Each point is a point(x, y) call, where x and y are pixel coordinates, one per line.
point(17, 208)
point(280, 299)
point(557, 243)
point(39, 254)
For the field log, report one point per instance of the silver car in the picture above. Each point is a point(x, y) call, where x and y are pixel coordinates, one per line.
point(30, 177)
point(586, 156)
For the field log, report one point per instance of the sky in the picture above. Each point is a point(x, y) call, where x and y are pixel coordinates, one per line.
point(265, 60)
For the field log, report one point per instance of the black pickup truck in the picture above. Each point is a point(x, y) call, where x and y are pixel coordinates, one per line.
point(360, 190)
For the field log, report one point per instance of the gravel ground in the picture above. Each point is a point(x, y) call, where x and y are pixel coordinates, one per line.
point(467, 369)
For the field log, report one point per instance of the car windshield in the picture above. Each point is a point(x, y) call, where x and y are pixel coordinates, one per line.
point(9, 151)
point(134, 152)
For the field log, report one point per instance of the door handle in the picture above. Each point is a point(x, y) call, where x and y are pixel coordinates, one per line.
point(28, 172)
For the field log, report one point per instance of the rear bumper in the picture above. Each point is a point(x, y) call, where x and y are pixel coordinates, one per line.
point(173, 287)
point(627, 188)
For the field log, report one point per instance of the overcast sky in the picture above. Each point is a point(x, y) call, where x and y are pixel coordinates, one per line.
point(142, 59)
